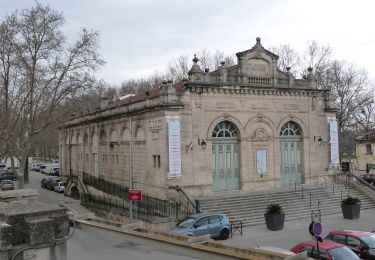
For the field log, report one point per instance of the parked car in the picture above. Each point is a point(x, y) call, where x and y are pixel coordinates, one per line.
point(3, 167)
point(43, 182)
point(7, 185)
point(43, 169)
point(60, 187)
point(51, 183)
point(215, 224)
point(368, 177)
point(37, 166)
point(328, 250)
point(7, 175)
point(360, 242)
point(55, 171)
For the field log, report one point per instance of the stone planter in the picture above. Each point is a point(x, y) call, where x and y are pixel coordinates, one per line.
point(351, 211)
point(275, 221)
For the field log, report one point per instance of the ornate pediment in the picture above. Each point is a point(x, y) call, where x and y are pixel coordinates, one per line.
point(260, 135)
point(256, 68)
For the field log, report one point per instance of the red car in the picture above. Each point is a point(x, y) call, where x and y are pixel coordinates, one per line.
point(328, 250)
point(360, 242)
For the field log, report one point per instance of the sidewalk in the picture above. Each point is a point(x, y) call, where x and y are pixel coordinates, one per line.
point(298, 230)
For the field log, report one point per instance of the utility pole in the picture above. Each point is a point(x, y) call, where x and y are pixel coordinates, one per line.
point(130, 170)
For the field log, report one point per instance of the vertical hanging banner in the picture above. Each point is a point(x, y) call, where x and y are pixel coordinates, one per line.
point(334, 140)
point(261, 161)
point(174, 145)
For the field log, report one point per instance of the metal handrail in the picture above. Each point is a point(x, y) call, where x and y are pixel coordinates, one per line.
point(194, 203)
point(350, 176)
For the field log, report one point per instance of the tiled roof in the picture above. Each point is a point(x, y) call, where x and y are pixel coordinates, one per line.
point(143, 96)
point(370, 136)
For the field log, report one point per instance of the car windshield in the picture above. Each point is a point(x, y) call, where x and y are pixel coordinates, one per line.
point(369, 240)
point(186, 222)
point(342, 253)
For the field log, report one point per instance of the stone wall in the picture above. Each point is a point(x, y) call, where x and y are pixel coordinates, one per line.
point(33, 230)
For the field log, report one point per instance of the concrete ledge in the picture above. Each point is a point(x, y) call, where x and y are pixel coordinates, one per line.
point(205, 250)
point(66, 206)
point(76, 216)
point(199, 239)
point(132, 226)
point(300, 256)
point(21, 194)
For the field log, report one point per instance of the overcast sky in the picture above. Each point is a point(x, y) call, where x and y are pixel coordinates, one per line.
point(138, 37)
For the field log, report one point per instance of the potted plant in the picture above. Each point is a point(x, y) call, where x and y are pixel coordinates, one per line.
point(351, 207)
point(274, 217)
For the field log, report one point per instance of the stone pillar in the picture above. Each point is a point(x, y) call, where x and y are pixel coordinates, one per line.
point(31, 229)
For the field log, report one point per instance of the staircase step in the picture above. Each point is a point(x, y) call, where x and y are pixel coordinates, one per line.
point(249, 207)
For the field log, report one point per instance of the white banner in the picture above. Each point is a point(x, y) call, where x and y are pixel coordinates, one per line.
point(261, 161)
point(174, 143)
point(334, 140)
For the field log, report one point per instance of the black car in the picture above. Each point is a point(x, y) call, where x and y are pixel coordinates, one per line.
point(55, 172)
point(43, 182)
point(8, 175)
point(51, 183)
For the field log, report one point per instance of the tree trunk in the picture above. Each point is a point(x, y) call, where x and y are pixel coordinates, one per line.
point(26, 171)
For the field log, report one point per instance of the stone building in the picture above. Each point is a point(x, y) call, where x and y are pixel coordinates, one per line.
point(244, 127)
point(364, 151)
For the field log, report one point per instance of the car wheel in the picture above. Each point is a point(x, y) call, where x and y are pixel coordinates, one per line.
point(224, 234)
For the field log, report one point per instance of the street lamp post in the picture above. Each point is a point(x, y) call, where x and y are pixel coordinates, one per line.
point(70, 161)
point(130, 170)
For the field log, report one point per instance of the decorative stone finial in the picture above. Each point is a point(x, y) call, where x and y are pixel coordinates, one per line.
point(309, 69)
point(222, 63)
point(288, 69)
point(195, 60)
point(258, 40)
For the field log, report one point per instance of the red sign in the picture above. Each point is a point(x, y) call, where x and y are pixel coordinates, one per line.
point(135, 194)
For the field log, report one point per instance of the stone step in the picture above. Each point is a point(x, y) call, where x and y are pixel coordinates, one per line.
point(250, 207)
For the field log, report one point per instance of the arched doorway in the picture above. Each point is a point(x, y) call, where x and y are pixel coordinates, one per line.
point(291, 153)
point(225, 156)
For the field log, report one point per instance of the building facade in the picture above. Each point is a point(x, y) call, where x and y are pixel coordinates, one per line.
point(364, 151)
point(244, 127)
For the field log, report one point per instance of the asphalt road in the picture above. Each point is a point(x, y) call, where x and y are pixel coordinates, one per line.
point(90, 245)
point(86, 244)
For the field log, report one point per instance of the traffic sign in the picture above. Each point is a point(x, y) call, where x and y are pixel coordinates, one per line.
point(135, 194)
point(315, 228)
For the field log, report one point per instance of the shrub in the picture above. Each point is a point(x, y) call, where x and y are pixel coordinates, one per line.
point(274, 209)
point(350, 201)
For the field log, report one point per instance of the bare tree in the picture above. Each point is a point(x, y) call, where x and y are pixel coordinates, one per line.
point(365, 116)
point(288, 58)
point(47, 71)
point(350, 86)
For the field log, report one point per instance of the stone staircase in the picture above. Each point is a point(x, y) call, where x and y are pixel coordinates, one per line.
point(250, 207)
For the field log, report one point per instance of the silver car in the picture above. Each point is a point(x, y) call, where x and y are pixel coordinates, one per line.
point(215, 224)
point(7, 185)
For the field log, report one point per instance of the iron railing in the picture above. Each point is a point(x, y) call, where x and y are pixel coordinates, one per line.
point(150, 208)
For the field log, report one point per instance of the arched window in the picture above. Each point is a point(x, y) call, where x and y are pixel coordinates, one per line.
point(290, 129)
point(224, 129)
point(140, 134)
point(113, 137)
point(126, 135)
point(85, 139)
point(103, 138)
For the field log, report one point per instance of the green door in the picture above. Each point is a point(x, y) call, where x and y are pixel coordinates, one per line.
point(291, 154)
point(225, 154)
